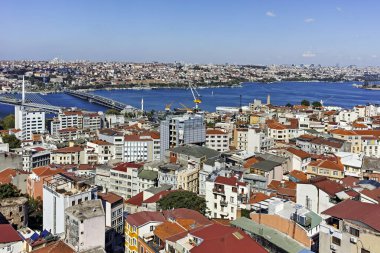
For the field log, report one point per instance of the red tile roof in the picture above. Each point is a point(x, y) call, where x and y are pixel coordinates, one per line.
point(101, 142)
point(366, 213)
point(373, 194)
point(215, 131)
point(349, 181)
point(232, 181)
point(301, 176)
point(7, 175)
point(46, 171)
point(136, 200)
point(55, 247)
point(300, 153)
point(223, 239)
point(110, 197)
point(8, 234)
point(343, 132)
point(123, 167)
point(141, 218)
point(326, 185)
point(184, 213)
point(326, 164)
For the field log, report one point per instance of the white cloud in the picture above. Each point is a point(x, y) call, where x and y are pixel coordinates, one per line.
point(374, 56)
point(270, 14)
point(339, 9)
point(308, 54)
point(309, 20)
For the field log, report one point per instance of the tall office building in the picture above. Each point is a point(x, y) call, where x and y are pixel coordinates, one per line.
point(179, 130)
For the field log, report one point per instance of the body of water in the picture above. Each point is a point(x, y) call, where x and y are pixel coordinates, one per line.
point(337, 94)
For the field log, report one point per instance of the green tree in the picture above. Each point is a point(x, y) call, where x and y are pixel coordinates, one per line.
point(183, 199)
point(316, 104)
point(8, 122)
point(113, 111)
point(305, 102)
point(8, 191)
point(12, 141)
point(245, 213)
point(289, 105)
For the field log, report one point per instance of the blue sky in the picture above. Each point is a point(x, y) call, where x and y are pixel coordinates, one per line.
point(324, 32)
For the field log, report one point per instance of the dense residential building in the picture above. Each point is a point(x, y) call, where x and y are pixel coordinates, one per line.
point(36, 179)
point(113, 208)
point(217, 139)
point(10, 241)
point(350, 226)
point(331, 169)
point(15, 211)
point(98, 152)
point(179, 130)
point(116, 139)
point(85, 226)
point(138, 148)
point(68, 155)
point(59, 193)
point(124, 179)
point(225, 197)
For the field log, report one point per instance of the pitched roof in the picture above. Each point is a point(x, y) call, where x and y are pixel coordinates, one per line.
point(184, 213)
point(7, 175)
point(8, 234)
point(326, 185)
point(123, 167)
point(373, 194)
point(300, 153)
point(265, 165)
point(74, 149)
point(343, 132)
point(167, 230)
point(55, 247)
point(136, 200)
point(109, 197)
point(223, 239)
point(366, 213)
point(326, 164)
point(297, 176)
point(101, 142)
point(256, 197)
point(44, 171)
point(141, 218)
point(215, 131)
point(232, 181)
point(349, 181)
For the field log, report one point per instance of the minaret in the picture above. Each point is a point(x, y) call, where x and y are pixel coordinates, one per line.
point(268, 100)
point(142, 104)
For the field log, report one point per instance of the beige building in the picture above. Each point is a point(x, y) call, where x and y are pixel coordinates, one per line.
point(356, 230)
point(329, 169)
point(99, 152)
point(350, 136)
point(15, 211)
point(217, 139)
point(68, 155)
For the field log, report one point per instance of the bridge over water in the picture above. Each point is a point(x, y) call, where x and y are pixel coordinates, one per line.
point(107, 102)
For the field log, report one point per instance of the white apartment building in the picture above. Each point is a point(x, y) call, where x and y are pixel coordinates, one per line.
point(371, 146)
point(117, 140)
point(257, 141)
point(113, 205)
point(138, 148)
point(98, 152)
point(85, 226)
point(124, 179)
point(60, 192)
point(30, 121)
point(224, 196)
point(217, 139)
point(76, 119)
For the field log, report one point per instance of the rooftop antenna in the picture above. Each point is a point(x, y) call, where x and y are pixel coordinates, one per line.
point(142, 103)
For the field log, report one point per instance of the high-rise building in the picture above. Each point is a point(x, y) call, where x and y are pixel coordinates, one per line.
point(179, 130)
point(30, 121)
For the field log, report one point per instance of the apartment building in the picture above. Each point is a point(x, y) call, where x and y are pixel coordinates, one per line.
point(217, 139)
point(330, 169)
point(124, 179)
point(68, 155)
point(116, 138)
point(350, 227)
point(225, 196)
point(85, 226)
point(138, 148)
point(60, 192)
point(98, 152)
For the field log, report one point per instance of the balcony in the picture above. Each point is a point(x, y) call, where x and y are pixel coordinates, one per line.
point(218, 190)
point(223, 203)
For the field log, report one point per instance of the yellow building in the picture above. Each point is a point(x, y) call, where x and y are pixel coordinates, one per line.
point(140, 225)
point(329, 169)
point(349, 136)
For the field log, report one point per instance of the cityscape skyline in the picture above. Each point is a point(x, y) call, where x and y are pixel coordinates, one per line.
point(254, 32)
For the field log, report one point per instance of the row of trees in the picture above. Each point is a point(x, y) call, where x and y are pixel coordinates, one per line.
point(305, 102)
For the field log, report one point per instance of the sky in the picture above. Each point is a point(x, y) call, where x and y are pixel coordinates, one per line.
point(326, 32)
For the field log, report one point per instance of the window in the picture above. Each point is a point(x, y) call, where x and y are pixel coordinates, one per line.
point(232, 199)
point(151, 228)
point(365, 251)
point(354, 232)
point(336, 240)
